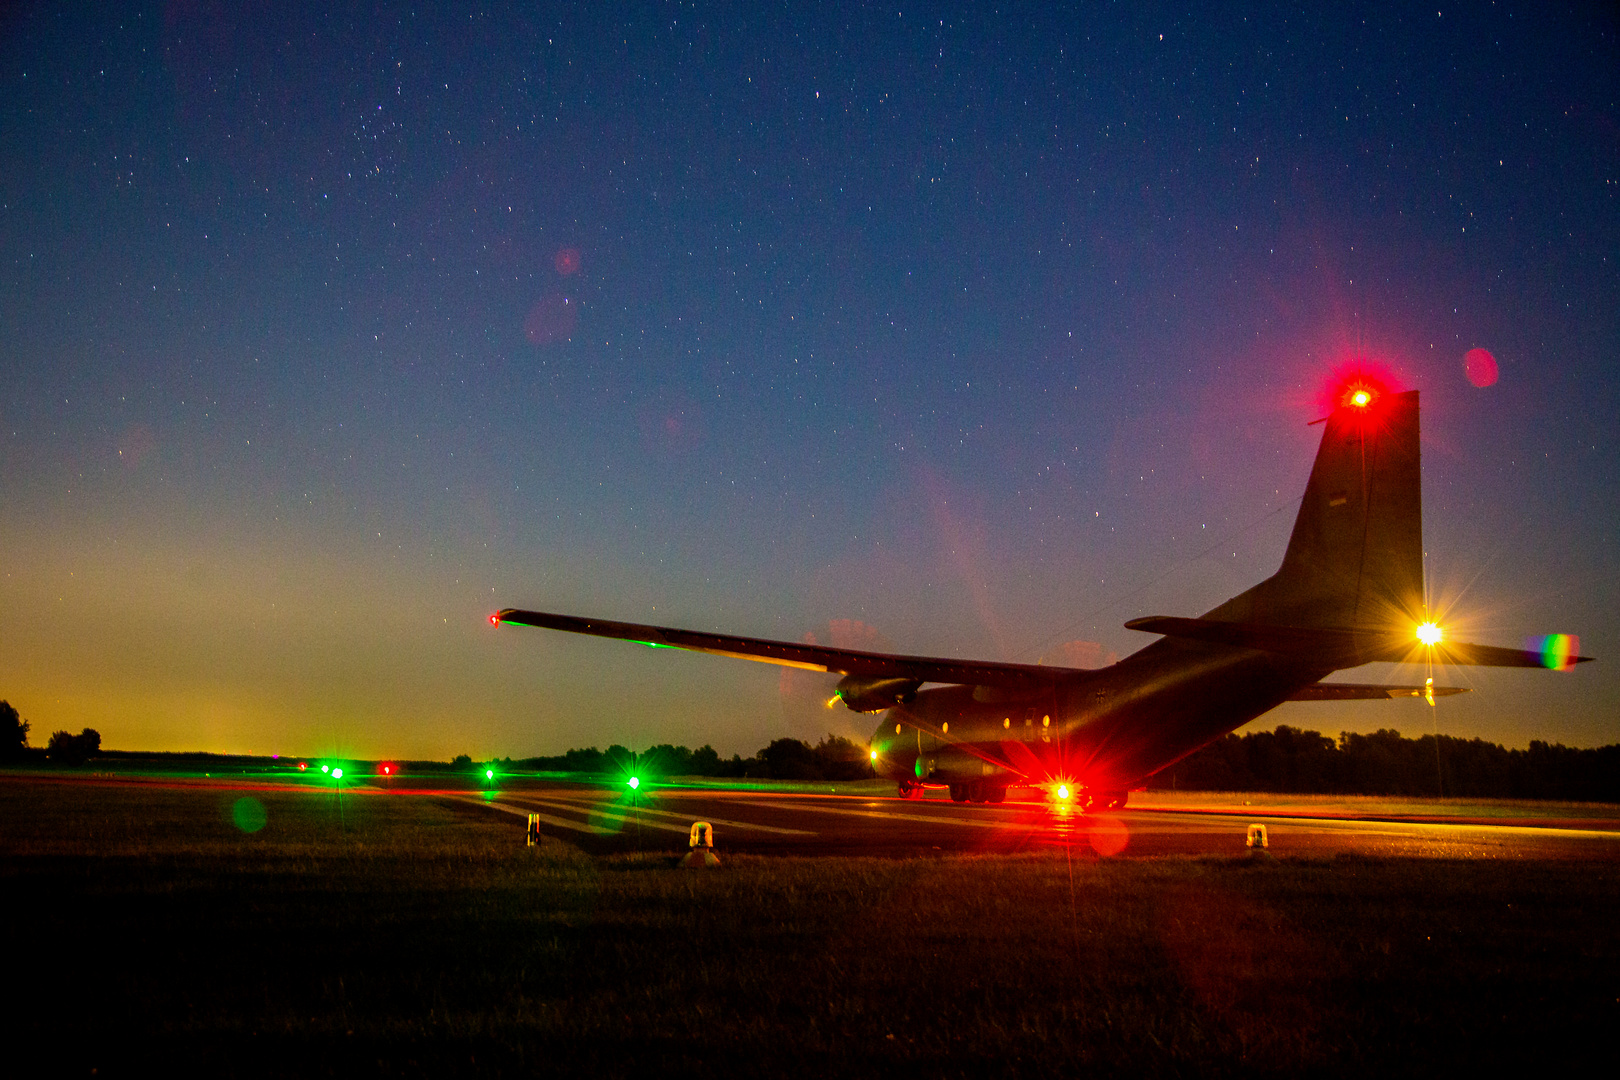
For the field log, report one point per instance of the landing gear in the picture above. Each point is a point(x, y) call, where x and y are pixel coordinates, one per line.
point(977, 791)
point(1088, 801)
point(910, 789)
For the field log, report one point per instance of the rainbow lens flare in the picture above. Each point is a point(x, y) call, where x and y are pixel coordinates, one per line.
point(1558, 651)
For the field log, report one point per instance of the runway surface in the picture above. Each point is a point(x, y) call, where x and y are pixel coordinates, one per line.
point(605, 821)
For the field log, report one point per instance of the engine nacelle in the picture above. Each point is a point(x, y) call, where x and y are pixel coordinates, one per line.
point(868, 693)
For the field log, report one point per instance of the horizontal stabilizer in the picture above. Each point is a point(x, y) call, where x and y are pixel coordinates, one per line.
point(1335, 647)
point(1342, 647)
point(800, 655)
point(1345, 691)
point(1461, 652)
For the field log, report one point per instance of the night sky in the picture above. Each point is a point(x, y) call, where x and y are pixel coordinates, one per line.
point(967, 332)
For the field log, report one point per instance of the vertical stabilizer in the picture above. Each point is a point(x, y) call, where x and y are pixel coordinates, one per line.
point(1355, 558)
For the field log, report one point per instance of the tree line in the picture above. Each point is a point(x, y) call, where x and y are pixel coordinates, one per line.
point(63, 748)
point(1384, 763)
point(834, 758)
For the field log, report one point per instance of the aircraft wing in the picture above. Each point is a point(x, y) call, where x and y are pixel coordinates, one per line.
point(798, 654)
point(1345, 691)
point(1340, 646)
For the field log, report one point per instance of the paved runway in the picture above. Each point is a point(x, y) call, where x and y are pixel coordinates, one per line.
point(604, 820)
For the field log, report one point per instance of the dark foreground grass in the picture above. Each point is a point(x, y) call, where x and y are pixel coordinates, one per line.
point(145, 929)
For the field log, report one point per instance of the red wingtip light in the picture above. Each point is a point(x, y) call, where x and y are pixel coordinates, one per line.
point(1361, 399)
point(494, 620)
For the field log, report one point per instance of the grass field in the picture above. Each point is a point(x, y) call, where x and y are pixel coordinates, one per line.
point(412, 936)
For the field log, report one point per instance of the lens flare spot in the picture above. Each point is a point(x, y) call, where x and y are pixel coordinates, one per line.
point(1558, 651)
point(1108, 836)
point(1480, 367)
point(249, 815)
point(568, 261)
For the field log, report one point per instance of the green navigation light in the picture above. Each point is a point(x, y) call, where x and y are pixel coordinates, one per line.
point(635, 782)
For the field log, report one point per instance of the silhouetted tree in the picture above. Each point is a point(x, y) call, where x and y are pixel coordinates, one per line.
point(791, 759)
point(13, 732)
point(843, 759)
point(705, 761)
point(68, 749)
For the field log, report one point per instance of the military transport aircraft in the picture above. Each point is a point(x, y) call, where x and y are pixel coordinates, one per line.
point(1350, 591)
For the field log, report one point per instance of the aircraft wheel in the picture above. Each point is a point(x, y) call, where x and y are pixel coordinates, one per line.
point(910, 790)
point(958, 792)
point(1115, 800)
point(977, 792)
point(996, 794)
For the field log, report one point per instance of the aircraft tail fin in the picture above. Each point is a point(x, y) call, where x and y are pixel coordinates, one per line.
point(1355, 558)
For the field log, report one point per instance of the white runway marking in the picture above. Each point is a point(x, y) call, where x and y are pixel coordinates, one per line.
point(561, 804)
point(575, 826)
point(927, 819)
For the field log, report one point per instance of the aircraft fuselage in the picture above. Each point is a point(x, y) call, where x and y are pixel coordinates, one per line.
point(1100, 731)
